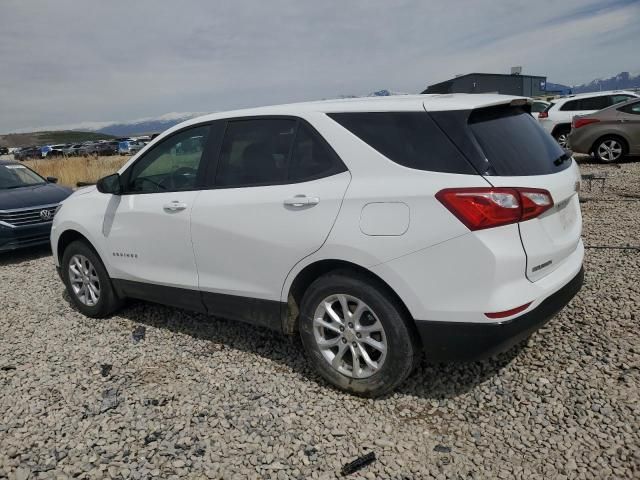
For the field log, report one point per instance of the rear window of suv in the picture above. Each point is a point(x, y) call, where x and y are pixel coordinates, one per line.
point(411, 139)
point(514, 144)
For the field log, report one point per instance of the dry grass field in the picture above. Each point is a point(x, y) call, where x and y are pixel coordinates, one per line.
point(71, 170)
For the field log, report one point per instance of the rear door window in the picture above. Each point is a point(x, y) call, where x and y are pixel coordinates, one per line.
point(411, 139)
point(570, 106)
point(590, 103)
point(595, 103)
point(255, 152)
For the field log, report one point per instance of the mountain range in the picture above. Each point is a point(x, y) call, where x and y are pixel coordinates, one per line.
point(623, 80)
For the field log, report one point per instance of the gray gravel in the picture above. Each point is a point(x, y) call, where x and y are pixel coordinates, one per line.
point(197, 397)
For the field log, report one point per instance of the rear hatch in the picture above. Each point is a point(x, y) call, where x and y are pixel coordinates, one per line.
point(506, 145)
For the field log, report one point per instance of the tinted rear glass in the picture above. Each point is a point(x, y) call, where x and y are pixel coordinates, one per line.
point(411, 139)
point(514, 144)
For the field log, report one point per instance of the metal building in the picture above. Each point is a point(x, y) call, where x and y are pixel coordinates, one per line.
point(521, 85)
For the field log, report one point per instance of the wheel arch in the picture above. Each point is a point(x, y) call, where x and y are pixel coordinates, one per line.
point(305, 277)
point(66, 238)
point(559, 127)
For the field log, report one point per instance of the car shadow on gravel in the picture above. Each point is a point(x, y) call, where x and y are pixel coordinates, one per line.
point(15, 257)
point(428, 381)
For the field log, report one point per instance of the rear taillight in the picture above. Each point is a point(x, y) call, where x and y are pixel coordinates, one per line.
point(581, 122)
point(480, 208)
point(543, 115)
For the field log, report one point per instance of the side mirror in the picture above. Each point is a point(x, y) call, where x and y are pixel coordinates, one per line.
point(110, 184)
point(52, 180)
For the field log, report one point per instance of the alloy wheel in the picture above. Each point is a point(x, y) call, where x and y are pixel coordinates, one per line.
point(84, 280)
point(563, 140)
point(610, 150)
point(350, 336)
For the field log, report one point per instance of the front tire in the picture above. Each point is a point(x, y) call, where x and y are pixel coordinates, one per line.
point(87, 281)
point(355, 334)
point(610, 149)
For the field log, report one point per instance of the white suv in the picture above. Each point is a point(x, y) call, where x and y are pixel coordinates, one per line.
point(376, 228)
point(557, 117)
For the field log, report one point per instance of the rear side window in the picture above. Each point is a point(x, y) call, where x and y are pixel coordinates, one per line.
point(633, 108)
point(514, 143)
point(620, 98)
point(310, 158)
point(411, 139)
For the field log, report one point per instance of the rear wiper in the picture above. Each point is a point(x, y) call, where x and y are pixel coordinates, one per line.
point(563, 158)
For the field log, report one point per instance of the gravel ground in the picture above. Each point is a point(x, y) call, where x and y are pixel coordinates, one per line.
point(199, 398)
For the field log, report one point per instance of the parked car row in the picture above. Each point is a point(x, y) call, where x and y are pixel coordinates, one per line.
point(557, 118)
point(121, 146)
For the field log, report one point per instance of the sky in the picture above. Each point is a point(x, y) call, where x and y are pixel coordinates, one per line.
point(68, 62)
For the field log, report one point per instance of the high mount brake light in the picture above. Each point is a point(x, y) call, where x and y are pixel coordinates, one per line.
point(480, 208)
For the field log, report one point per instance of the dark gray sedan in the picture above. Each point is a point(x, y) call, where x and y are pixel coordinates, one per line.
point(27, 205)
point(608, 134)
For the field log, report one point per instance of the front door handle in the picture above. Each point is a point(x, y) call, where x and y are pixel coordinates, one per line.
point(301, 201)
point(174, 206)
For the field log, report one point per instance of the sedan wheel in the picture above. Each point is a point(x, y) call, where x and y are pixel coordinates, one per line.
point(563, 139)
point(609, 150)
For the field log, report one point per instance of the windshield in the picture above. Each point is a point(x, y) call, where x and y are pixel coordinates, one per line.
point(16, 176)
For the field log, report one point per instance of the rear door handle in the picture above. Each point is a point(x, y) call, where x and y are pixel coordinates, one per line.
point(301, 201)
point(174, 206)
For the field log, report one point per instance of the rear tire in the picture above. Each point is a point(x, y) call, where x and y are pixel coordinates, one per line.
point(562, 136)
point(610, 149)
point(87, 281)
point(368, 353)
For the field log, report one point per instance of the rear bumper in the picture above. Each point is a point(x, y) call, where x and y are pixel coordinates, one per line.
point(449, 341)
point(22, 237)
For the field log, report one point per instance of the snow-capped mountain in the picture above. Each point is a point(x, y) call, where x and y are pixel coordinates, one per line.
point(145, 125)
point(621, 81)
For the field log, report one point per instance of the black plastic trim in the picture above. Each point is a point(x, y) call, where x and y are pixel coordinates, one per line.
point(454, 341)
point(265, 313)
point(165, 295)
point(257, 311)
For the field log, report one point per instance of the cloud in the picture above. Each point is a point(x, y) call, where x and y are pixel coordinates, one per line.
point(68, 62)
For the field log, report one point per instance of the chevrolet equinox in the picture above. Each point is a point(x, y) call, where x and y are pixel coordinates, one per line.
point(379, 229)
